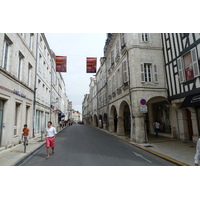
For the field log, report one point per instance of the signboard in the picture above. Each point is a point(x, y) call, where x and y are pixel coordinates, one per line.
point(143, 109)
point(91, 65)
point(61, 63)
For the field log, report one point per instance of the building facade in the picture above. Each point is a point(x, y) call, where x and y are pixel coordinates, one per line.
point(134, 85)
point(26, 65)
point(182, 60)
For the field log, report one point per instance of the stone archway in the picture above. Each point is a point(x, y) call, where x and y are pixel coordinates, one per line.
point(113, 121)
point(95, 123)
point(105, 121)
point(124, 124)
point(100, 123)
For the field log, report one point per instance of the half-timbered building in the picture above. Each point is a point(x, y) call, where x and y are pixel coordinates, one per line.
point(182, 61)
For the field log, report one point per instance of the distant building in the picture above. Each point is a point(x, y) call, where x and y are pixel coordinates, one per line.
point(76, 116)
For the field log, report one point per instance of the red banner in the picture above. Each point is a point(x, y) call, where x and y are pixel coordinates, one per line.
point(61, 63)
point(91, 65)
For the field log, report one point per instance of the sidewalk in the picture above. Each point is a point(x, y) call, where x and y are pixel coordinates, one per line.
point(13, 155)
point(177, 151)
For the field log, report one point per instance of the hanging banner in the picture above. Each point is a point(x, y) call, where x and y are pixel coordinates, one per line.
point(61, 63)
point(91, 65)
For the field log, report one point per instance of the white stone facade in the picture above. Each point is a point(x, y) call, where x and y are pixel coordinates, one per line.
point(22, 73)
point(134, 71)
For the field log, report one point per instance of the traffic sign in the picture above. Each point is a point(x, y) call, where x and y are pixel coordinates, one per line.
point(143, 102)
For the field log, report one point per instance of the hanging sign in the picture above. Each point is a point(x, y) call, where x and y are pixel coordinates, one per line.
point(91, 65)
point(61, 63)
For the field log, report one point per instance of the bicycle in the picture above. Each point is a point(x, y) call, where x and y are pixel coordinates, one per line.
point(25, 141)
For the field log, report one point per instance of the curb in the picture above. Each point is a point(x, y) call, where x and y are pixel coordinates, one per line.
point(20, 161)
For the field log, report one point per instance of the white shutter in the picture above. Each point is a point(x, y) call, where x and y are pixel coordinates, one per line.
point(180, 70)
point(142, 72)
point(155, 74)
point(195, 62)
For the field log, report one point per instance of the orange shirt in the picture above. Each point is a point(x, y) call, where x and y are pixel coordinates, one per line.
point(25, 132)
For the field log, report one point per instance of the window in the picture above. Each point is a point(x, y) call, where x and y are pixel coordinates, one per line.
point(188, 67)
point(117, 49)
point(17, 112)
point(123, 42)
point(40, 62)
point(113, 83)
point(125, 72)
point(29, 75)
point(149, 73)
point(112, 57)
point(19, 71)
point(145, 37)
point(6, 49)
point(31, 41)
point(119, 78)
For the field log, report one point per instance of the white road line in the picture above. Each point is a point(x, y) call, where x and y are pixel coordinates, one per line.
point(139, 155)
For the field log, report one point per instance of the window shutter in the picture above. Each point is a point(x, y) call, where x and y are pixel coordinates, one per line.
point(155, 74)
point(142, 72)
point(126, 72)
point(195, 62)
point(180, 70)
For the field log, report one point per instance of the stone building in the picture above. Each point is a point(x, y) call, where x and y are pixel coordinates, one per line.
point(17, 72)
point(26, 89)
point(133, 92)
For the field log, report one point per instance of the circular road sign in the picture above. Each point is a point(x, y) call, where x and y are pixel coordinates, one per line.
point(143, 102)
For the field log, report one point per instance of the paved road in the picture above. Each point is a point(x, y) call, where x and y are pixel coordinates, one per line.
point(81, 145)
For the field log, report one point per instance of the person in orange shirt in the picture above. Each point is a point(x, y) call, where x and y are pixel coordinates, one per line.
point(25, 134)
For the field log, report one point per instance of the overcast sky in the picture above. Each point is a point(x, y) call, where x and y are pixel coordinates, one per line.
point(77, 46)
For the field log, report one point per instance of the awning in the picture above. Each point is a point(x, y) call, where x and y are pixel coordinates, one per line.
point(191, 101)
point(61, 115)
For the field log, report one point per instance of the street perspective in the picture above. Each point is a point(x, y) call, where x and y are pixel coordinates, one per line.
point(99, 99)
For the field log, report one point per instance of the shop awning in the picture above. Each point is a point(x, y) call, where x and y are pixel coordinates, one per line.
point(191, 101)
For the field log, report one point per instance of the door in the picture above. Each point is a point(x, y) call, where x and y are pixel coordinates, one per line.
point(1, 119)
point(190, 129)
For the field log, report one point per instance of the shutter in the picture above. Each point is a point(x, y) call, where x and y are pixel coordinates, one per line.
point(155, 74)
point(142, 72)
point(180, 70)
point(125, 71)
point(195, 62)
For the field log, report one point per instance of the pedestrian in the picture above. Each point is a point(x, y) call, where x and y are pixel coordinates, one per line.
point(156, 127)
point(50, 138)
point(197, 155)
point(100, 123)
point(60, 123)
point(25, 134)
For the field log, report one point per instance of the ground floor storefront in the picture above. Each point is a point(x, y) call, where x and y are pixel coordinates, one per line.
point(137, 122)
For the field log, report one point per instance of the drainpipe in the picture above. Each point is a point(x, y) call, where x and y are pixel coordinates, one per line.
point(35, 86)
point(51, 88)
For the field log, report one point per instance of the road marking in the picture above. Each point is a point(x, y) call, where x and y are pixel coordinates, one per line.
point(139, 155)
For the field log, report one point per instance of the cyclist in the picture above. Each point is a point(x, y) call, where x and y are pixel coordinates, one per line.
point(25, 134)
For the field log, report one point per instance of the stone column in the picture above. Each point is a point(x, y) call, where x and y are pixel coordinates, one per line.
point(194, 126)
point(140, 130)
point(183, 125)
point(120, 126)
point(111, 125)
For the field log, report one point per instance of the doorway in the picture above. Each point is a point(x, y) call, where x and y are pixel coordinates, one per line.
point(1, 119)
point(189, 120)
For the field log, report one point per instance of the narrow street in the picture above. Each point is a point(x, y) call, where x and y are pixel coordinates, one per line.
point(81, 145)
